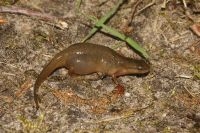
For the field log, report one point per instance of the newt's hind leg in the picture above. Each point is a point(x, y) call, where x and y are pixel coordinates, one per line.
point(72, 73)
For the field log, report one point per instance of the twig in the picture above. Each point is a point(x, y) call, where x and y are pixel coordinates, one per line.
point(134, 10)
point(184, 76)
point(17, 10)
point(102, 3)
point(42, 16)
point(185, 4)
point(122, 116)
point(8, 74)
point(190, 93)
point(147, 6)
point(164, 4)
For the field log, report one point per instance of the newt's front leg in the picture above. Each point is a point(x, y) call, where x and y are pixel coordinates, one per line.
point(119, 89)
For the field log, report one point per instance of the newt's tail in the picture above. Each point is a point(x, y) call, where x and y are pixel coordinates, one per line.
point(57, 62)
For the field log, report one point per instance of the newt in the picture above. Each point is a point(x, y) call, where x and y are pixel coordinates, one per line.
point(88, 58)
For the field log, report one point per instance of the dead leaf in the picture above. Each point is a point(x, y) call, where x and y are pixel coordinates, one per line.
point(196, 29)
point(2, 21)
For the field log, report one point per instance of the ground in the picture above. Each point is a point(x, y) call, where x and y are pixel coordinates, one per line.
point(165, 100)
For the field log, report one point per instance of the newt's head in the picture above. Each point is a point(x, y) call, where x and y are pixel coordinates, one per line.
point(135, 67)
point(138, 66)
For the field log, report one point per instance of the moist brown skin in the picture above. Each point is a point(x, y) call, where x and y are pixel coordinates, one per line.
point(87, 58)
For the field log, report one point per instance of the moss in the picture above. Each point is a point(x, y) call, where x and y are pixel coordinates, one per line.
point(196, 71)
point(33, 125)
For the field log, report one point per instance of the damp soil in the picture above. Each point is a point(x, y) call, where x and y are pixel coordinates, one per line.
point(165, 100)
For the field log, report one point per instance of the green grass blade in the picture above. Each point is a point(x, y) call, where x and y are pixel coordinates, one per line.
point(130, 41)
point(77, 5)
point(100, 24)
point(103, 20)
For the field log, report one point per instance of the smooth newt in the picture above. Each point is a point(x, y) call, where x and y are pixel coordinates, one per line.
point(87, 58)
